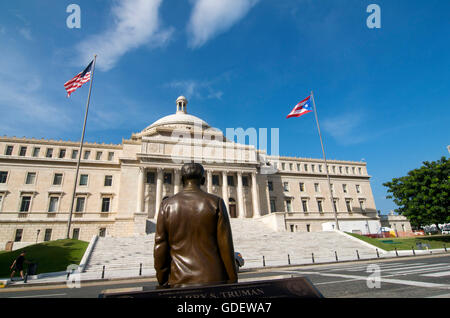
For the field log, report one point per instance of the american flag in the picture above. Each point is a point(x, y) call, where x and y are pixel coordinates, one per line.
point(79, 80)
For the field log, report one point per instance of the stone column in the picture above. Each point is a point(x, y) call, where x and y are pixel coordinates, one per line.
point(177, 181)
point(209, 181)
point(225, 190)
point(159, 184)
point(255, 197)
point(240, 196)
point(268, 196)
point(140, 187)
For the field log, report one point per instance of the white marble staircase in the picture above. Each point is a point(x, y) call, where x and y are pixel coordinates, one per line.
point(252, 239)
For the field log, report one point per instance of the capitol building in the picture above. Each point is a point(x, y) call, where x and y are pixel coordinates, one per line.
point(121, 186)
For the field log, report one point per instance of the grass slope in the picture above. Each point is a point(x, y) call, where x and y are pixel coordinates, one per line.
point(435, 241)
point(52, 256)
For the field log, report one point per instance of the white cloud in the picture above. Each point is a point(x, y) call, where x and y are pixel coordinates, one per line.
point(26, 33)
point(198, 89)
point(212, 17)
point(346, 128)
point(135, 23)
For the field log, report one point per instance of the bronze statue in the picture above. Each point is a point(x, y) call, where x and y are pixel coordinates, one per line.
point(193, 241)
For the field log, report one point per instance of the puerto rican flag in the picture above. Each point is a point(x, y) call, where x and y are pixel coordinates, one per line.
point(79, 80)
point(301, 108)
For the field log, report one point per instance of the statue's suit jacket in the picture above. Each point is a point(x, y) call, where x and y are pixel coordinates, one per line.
point(193, 241)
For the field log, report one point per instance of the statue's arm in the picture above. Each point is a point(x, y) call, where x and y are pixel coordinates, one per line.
point(225, 242)
point(161, 251)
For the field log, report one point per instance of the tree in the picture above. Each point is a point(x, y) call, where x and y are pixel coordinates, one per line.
point(423, 195)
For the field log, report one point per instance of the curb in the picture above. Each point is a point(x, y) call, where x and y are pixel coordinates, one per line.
point(242, 271)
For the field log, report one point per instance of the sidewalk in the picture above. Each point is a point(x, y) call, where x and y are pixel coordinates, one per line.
point(149, 272)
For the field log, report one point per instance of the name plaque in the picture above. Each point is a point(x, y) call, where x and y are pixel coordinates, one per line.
point(296, 287)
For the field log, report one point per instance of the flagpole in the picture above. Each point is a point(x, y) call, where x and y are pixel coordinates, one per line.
point(326, 165)
point(69, 223)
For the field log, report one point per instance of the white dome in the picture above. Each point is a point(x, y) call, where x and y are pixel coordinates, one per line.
point(179, 119)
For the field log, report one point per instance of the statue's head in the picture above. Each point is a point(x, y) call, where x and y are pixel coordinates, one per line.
point(193, 172)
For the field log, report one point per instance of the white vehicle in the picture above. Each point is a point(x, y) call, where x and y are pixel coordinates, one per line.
point(446, 229)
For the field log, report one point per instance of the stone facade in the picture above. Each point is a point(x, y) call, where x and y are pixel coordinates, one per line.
point(120, 187)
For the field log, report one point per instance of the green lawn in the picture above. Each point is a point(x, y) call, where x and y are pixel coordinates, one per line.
point(435, 241)
point(52, 256)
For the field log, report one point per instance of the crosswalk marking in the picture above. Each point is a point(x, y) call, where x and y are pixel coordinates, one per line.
point(357, 268)
point(419, 270)
point(439, 274)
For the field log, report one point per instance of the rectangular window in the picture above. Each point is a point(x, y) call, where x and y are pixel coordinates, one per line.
point(110, 156)
point(340, 170)
point(48, 235)
point(76, 234)
point(98, 155)
point(230, 180)
point(3, 176)
point(313, 168)
point(346, 170)
point(319, 206)
point(270, 185)
point(53, 205)
point(25, 204)
point(359, 170)
point(306, 167)
point(18, 237)
point(23, 151)
point(335, 205)
point(332, 187)
point(245, 181)
point(349, 205)
point(302, 187)
point(308, 227)
point(334, 169)
point(49, 153)
point(316, 187)
point(353, 170)
point(62, 153)
point(305, 205)
point(31, 177)
point(286, 186)
point(84, 180)
point(9, 150)
point(215, 180)
point(362, 206)
point(1, 201)
point(344, 188)
point(102, 232)
point(320, 168)
point(358, 189)
point(150, 177)
point(167, 178)
point(106, 204)
point(108, 181)
point(74, 154)
point(272, 206)
point(288, 206)
point(290, 166)
point(57, 179)
point(87, 154)
point(80, 204)
point(36, 151)
point(298, 167)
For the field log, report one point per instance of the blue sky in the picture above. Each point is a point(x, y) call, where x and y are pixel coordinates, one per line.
point(382, 94)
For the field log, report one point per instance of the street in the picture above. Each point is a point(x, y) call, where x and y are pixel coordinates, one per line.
point(412, 277)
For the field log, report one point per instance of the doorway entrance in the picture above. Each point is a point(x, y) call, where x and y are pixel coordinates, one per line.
point(232, 205)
